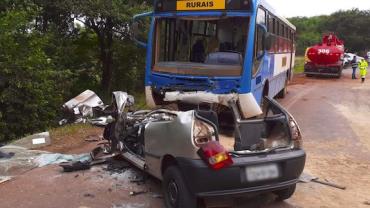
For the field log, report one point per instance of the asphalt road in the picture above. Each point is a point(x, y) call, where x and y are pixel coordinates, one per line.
point(334, 116)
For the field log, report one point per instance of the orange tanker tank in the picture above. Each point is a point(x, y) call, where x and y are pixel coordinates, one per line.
point(325, 58)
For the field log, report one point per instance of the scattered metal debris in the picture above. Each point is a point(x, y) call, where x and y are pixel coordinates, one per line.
point(87, 107)
point(306, 178)
point(4, 179)
point(134, 193)
point(329, 184)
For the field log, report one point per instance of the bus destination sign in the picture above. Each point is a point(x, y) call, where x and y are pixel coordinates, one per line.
point(188, 5)
point(201, 5)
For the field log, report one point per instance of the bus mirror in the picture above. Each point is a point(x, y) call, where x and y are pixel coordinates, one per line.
point(140, 28)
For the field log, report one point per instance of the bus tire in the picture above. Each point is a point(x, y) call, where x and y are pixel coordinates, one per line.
point(284, 91)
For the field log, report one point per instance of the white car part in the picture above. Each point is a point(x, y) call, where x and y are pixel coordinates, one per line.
point(247, 102)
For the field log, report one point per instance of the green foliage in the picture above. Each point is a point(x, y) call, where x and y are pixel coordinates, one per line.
point(309, 31)
point(299, 64)
point(352, 26)
point(46, 58)
point(29, 97)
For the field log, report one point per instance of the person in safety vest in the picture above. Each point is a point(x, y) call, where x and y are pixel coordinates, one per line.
point(363, 69)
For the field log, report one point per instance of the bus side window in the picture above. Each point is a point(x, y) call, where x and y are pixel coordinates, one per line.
point(271, 24)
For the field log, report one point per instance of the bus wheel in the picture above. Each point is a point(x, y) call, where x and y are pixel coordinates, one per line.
point(284, 91)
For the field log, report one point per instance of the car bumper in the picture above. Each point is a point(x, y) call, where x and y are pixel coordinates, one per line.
point(205, 182)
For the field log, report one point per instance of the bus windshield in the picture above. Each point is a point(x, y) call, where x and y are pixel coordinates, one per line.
point(188, 44)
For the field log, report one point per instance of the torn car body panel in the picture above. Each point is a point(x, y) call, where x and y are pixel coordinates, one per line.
point(212, 162)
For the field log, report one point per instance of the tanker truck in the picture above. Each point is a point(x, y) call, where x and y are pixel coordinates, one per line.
point(325, 58)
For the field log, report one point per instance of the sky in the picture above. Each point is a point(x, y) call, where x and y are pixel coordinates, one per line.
point(309, 8)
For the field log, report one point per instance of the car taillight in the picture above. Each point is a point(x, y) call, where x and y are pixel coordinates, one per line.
point(215, 155)
point(296, 134)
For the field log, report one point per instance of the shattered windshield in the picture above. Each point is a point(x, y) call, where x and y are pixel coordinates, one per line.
point(209, 41)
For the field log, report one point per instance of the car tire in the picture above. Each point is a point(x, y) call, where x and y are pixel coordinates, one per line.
point(285, 193)
point(176, 193)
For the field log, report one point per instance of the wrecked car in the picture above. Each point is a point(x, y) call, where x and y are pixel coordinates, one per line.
point(195, 157)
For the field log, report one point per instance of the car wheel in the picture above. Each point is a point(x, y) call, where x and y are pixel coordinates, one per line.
point(176, 193)
point(285, 193)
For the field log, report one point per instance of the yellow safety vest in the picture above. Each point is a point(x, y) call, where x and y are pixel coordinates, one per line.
point(363, 68)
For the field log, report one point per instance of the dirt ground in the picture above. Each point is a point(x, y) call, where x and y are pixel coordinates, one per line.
point(334, 118)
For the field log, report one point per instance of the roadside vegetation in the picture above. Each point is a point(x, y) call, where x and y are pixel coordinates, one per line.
point(50, 51)
point(352, 26)
point(299, 64)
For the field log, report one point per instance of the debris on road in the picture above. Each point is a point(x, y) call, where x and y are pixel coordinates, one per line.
point(306, 178)
point(329, 184)
point(6, 155)
point(34, 141)
point(57, 158)
point(75, 166)
point(20, 162)
point(134, 193)
point(4, 179)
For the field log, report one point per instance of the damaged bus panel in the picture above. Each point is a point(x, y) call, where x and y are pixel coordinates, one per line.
point(216, 46)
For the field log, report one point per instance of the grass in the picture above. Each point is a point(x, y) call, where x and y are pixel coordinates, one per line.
point(299, 64)
point(69, 129)
point(140, 102)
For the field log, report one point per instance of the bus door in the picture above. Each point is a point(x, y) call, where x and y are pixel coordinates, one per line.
point(262, 43)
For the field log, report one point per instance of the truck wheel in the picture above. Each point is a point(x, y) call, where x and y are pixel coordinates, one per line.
point(285, 193)
point(176, 193)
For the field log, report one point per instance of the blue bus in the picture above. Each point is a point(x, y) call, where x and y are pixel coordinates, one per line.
point(207, 48)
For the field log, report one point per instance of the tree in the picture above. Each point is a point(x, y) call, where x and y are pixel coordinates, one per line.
point(29, 94)
point(110, 20)
point(352, 26)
